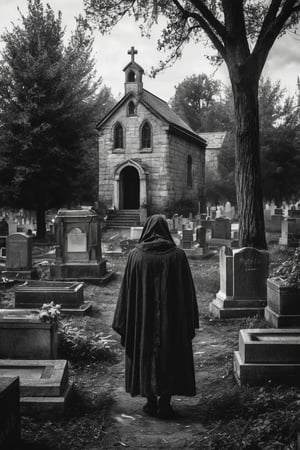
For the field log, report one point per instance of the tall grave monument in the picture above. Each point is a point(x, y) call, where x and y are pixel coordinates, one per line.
point(78, 252)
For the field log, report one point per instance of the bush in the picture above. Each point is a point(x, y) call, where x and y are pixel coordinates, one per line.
point(77, 346)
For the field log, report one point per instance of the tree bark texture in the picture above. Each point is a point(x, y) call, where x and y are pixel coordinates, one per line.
point(247, 166)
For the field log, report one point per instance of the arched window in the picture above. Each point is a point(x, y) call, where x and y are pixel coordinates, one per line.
point(131, 109)
point(131, 76)
point(146, 140)
point(118, 136)
point(189, 178)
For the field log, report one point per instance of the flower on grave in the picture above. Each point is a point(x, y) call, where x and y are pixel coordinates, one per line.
point(289, 271)
point(50, 312)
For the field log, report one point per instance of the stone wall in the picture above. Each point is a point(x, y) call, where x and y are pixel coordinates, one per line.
point(177, 170)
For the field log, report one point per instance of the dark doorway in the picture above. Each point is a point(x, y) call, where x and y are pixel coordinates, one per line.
point(129, 188)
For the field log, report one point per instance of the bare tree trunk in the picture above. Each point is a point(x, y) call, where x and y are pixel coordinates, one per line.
point(247, 166)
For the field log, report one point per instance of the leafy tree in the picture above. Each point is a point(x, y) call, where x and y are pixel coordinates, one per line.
point(279, 148)
point(48, 103)
point(196, 102)
point(242, 32)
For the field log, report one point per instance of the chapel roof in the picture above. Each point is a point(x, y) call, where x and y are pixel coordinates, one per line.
point(214, 139)
point(161, 109)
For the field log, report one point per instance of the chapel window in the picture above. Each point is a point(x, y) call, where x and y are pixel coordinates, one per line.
point(131, 109)
point(146, 137)
point(131, 76)
point(118, 136)
point(189, 179)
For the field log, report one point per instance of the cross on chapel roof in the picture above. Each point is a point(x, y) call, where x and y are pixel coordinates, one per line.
point(132, 52)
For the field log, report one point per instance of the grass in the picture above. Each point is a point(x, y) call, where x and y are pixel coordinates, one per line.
point(235, 418)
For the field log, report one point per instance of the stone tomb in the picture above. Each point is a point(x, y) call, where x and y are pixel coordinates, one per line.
point(78, 252)
point(243, 283)
point(18, 257)
point(44, 384)
point(283, 305)
point(68, 294)
point(9, 412)
point(23, 335)
point(266, 355)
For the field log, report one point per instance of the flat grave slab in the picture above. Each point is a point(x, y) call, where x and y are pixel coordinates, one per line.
point(33, 294)
point(43, 383)
point(9, 412)
point(268, 355)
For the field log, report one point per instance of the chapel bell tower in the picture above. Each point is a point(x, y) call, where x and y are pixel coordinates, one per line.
point(133, 75)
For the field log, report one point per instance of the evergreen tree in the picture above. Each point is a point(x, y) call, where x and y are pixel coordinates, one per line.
point(48, 104)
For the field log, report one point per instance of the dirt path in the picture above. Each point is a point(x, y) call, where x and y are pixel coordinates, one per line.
point(126, 425)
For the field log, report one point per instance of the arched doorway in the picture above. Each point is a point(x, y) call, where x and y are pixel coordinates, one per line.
point(129, 188)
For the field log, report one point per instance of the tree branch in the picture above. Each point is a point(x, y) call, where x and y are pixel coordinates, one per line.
point(210, 18)
point(205, 26)
point(267, 39)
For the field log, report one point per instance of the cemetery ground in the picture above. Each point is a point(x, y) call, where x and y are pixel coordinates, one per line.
point(102, 416)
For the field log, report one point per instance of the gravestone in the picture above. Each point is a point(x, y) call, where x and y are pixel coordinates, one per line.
point(78, 251)
point(18, 256)
point(290, 232)
point(243, 283)
point(4, 230)
point(9, 412)
point(136, 232)
point(228, 211)
point(187, 238)
point(221, 228)
point(12, 226)
point(266, 355)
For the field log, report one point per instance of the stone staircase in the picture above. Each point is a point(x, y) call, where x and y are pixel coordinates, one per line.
point(123, 218)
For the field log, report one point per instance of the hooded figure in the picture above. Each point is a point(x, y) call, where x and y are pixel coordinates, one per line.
point(156, 316)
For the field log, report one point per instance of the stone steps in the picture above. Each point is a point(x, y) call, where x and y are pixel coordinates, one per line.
point(123, 218)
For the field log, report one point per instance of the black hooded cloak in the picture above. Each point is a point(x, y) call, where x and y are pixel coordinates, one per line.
point(156, 315)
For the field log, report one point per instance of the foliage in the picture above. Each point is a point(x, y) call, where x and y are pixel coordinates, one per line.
point(50, 313)
point(77, 346)
point(49, 100)
point(197, 101)
point(289, 271)
point(242, 34)
point(252, 418)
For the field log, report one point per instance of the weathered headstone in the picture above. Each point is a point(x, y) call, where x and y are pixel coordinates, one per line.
point(18, 256)
point(290, 232)
point(135, 232)
point(187, 238)
point(243, 283)
point(4, 230)
point(221, 228)
point(9, 412)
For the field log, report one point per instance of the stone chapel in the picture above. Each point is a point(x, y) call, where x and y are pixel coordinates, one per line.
point(148, 156)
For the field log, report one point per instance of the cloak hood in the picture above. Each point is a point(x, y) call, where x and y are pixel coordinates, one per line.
point(156, 235)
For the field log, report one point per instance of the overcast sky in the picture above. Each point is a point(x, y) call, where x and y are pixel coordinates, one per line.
point(111, 53)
